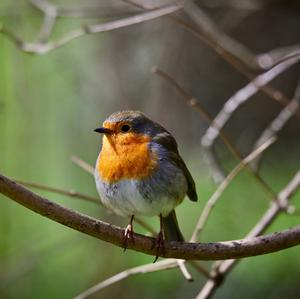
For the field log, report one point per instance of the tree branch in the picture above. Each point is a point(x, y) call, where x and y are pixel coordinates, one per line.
point(222, 268)
point(240, 97)
point(277, 124)
point(180, 250)
point(270, 91)
point(276, 56)
point(215, 34)
point(225, 183)
point(42, 47)
point(230, 145)
point(70, 193)
point(159, 266)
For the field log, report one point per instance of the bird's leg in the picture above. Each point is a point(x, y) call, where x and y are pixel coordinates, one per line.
point(159, 242)
point(128, 234)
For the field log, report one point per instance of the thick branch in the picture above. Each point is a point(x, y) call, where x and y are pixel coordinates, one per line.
point(112, 234)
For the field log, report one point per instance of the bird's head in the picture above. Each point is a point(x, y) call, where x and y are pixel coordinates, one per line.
point(126, 128)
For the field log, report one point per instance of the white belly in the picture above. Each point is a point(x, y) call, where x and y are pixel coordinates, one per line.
point(124, 198)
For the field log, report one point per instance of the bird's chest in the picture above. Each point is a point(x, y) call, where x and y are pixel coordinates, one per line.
point(125, 159)
point(122, 197)
point(136, 197)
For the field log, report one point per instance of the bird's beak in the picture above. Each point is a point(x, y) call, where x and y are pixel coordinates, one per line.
point(104, 130)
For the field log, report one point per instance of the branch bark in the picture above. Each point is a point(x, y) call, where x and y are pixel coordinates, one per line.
point(180, 250)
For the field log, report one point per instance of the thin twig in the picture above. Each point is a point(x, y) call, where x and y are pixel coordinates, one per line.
point(42, 48)
point(222, 268)
point(87, 10)
point(276, 56)
point(70, 193)
point(159, 266)
point(217, 39)
point(211, 30)
point(240, 97)
point(200, 268)
point(149, 268)
point(221, 188)
point(199, 108)
point(275, 94)
point(187, 275)
point(229, 45)
point(278, 123)
point(82, 164)
point(49, 20)
point(45, 6)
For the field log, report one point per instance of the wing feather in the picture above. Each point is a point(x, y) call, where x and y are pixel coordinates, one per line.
point(165, 139)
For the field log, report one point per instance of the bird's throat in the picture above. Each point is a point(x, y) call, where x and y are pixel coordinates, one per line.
point(126, 156)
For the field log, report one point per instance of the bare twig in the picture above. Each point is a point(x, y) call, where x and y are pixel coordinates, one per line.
point(180, 250)
point(45, 6)
point(159, 266)
point(273, 93)
point(230, 49)
point(278, 123)
point(187, 275)
point(276, 56)
point(42, 48)
point(199, 108)
point(232, 104)
point(87, 10)
point(200, 268)
point(148, 268)
point(262, 61)
point(50, 15)
point(82, 164)
point(241, 97)
point(216, 195)
point(222, 268)
point(70, 193)
point(227, 43)
point(217, 172)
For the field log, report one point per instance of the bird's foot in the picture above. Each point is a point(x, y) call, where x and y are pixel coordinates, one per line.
point(159, 245)
point(128, 235)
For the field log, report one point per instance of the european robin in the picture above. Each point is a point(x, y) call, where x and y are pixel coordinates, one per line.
point(139, 172)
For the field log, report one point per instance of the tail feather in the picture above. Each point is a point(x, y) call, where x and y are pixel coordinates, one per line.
point(171, 229)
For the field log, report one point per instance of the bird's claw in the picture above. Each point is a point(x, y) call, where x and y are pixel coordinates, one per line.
point(159, 245)
point(128, 235)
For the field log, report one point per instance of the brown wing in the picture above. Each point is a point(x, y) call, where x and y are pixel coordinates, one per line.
point(169, 142)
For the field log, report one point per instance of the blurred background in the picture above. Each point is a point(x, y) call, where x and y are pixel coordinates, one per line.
point(50, 104)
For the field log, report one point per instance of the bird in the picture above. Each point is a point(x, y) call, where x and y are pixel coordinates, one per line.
point(139, 171)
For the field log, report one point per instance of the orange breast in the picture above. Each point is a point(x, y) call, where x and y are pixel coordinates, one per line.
point(125, 156)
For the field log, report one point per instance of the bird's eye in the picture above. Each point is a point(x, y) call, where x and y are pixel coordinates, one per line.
point(125, 128)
